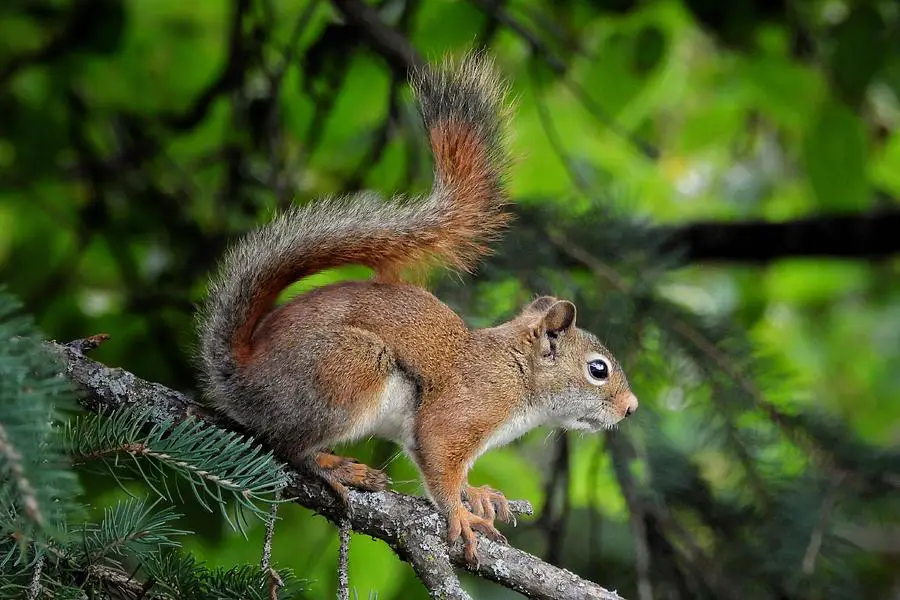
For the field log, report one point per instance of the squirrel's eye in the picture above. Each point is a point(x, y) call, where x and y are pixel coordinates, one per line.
point(598, 369)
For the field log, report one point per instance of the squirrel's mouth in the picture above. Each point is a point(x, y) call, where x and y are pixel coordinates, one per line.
point(593, 423)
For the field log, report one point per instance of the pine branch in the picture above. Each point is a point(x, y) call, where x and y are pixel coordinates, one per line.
point(63, 571)
point(408, 524)
point(17, 480)
point(92, 561)
point(217, 464)
point(233, 584)
point(128, 528)
point(172, 574)
point(40, 555)
point(36, 484)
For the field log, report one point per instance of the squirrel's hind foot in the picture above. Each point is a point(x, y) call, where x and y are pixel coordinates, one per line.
point(485, 501)
point(463, 523)
point(342, 473)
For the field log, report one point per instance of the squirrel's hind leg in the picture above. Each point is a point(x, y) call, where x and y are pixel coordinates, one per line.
point(342, 473)
point(352, 374)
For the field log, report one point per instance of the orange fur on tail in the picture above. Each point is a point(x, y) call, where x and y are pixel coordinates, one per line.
point(463, 106)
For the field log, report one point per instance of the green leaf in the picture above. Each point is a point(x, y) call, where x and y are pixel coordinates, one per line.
point(782, 90)
point(835, 154)
point(861, 50)
point(649, 49)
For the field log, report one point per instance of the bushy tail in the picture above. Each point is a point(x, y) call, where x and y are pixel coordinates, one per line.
point(463, 105)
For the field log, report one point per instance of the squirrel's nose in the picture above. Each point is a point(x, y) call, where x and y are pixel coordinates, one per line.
point(629, 403)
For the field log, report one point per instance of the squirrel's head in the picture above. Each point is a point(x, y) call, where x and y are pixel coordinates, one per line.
point(576, 380)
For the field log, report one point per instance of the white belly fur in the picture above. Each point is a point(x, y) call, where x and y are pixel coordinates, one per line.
point(516, 427)
point(395, 419)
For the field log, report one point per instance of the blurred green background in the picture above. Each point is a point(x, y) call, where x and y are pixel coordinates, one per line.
point(138, 137)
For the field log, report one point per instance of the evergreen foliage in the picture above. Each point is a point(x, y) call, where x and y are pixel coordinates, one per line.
point(137, 138)
point(49, 547)
point(36, 486)
point(179, 576)
point(217, 465)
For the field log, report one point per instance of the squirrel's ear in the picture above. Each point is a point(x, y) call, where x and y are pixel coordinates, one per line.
point(540, 305)
point(560, 317)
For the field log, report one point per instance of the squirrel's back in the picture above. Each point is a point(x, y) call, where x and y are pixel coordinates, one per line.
point(463, 106)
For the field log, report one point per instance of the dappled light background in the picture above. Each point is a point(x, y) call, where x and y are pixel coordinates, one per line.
point(714, 185)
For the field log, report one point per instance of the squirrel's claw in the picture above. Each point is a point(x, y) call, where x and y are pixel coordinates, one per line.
point(463, 523)
point(488, 503)
point(342, 473)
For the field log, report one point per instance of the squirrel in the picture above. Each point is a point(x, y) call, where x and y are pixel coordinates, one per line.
point(386, 358)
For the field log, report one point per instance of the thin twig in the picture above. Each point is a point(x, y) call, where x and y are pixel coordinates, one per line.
point(390, 43)
point(34, 588)
point(123, 584)
point(270, 533)
point(344, 561)
point(275, 583)
point(87, 344)
point(142, 449)
point(382, 135)
point(70, 35)
point(279, 172)
point(595, 524)
point(636, 510)
point(582, 256)
point(553, 521)
point(739, 446)
point(539, 48)
point(704, 567)
point(829, 503)
point(231, 76)
point(553, 136)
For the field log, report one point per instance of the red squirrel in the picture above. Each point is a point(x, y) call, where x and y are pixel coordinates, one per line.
point(386, 358)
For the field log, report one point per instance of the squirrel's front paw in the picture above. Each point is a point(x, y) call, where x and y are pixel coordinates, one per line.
point(463, 523)
point(487, 502)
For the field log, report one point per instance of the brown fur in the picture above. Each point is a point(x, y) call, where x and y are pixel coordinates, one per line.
point(467, 176)
point(341, 473)
point(387, 358)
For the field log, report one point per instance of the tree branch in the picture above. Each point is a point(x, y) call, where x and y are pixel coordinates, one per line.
point(231, 76)
point(383, 38)
point(848, 236)
point(496, 10)
point(409, 525)
point(870, 235)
